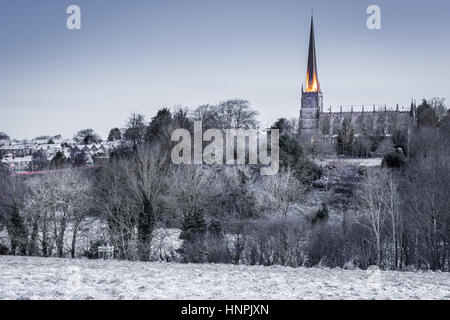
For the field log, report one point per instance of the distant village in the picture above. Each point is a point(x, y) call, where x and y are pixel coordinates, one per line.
point(50, 151)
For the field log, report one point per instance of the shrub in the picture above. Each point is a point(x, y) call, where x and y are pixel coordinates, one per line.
point(194, 250)
point(322, 215)
point(331, 246)
point(216, 248)
point(192, 234)
point(359, 245)
point(394, 159)
point(307, 171)
point(326, 246)
point(276, 242)
point(293, 156)
point(203, 243)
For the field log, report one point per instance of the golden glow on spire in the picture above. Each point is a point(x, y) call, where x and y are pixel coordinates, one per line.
point(311, 86)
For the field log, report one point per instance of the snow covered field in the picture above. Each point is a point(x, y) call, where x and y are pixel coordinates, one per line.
point(372, 162)
point(52, 278)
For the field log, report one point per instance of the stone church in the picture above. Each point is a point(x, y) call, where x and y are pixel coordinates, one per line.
point(315, 122)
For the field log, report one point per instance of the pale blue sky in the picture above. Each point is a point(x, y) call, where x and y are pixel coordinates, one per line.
point(138, 55)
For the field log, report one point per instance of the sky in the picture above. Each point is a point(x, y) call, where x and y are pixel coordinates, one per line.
point(142, 55)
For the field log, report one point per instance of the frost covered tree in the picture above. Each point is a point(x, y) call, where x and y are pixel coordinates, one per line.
point(340, 181)
point(145, 183)
point(113, 201)
point(373, 197)
point(11, 212)
point(391, 198)
point(128, 191)
point(205, 114)
point(191, 188)
point(60, 199)
point(233, 113)
point(428, 192)
point(281, 191)
point(37, 208)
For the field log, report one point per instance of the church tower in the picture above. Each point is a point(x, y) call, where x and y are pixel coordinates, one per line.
point(312, 98)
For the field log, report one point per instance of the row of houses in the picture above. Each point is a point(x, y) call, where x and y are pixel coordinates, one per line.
point(17, 150)
point(27, 149)
point(18, 156)
point(17, 164)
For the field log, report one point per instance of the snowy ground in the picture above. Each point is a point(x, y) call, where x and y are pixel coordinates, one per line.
point(372, 162)
point(52, 278)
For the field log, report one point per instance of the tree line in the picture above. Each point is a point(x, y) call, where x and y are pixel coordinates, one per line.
point(336, 215)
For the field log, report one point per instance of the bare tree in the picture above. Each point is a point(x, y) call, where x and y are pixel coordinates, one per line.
point(229, 114)
point(373, 199)
point(340, 181)
point(428, 205)
point(146, 182)
point(129, 192)
point(282, 191)
point(391, 200)
point(206, 114)
point(135, 128)
point(81, 197)
point(235, 114)
point(113, 200)
point(37, 207)
point(11, 211)
point(191, 186)
point(62, 199)
point(440, 108)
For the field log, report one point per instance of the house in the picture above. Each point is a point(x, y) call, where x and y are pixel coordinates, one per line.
point(17, 150)
point(17, 163)
point(97, 150)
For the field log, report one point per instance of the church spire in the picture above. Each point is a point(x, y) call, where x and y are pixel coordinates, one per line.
point(312, 78)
